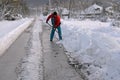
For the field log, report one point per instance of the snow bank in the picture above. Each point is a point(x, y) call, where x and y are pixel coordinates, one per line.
point(10, 37)
point(8, 26)
point(96, 46)
point(31, 67)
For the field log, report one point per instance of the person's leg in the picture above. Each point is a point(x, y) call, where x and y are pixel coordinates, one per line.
point(59, 33)
point(52, 34)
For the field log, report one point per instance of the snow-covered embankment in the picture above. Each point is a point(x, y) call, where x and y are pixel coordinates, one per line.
point(95, 47)
point(10, 37)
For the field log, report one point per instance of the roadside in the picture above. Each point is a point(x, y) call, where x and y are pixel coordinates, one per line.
point(10, 59)
point(56, 66)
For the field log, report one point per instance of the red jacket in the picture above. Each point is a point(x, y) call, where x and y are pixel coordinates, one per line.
point(56, 20)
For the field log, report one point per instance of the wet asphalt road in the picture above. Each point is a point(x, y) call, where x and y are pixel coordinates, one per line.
point(56, 66)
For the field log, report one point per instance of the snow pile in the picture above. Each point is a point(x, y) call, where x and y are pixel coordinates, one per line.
point(96, 46)
point(31, 67)
point(10, 31)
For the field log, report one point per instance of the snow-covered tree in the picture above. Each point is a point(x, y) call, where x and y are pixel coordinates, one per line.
point(12, 7)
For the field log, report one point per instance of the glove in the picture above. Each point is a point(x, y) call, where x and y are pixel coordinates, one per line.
point(46, 21)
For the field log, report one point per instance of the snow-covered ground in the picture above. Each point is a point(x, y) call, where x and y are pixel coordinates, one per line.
point(95, 45)
point(10, 30)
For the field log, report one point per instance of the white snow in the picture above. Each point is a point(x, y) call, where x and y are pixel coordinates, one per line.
point(95, 43)
point(10, 30)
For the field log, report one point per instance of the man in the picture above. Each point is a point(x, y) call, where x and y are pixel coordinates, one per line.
point(55, 20)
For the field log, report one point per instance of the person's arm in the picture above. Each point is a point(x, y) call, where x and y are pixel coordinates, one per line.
point(48, 18)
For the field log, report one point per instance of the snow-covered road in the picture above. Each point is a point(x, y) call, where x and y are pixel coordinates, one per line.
point(27, 62)
point(45, 60)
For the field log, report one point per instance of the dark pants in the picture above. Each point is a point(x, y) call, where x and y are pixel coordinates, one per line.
point(53, 32)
